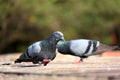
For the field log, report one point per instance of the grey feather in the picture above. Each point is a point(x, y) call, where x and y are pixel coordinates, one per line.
point(83, 47)
point(34, 49)
point(45, 49)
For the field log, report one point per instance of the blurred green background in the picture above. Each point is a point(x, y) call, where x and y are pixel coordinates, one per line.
point(23, 22)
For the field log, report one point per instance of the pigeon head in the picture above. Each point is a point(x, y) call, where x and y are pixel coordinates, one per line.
point(58, 36)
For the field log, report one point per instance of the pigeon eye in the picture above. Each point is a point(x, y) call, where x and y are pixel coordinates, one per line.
point(58, 35)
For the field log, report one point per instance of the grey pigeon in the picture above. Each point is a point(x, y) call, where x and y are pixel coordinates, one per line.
point(42, 51)
point(83, 47)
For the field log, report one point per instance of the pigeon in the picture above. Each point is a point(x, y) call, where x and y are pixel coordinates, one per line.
point(41, 52)
point(83, 48)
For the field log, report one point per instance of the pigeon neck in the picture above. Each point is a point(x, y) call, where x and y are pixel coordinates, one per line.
point(63, 47)
point(52, 41)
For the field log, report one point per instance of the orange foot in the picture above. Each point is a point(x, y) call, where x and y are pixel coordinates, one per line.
point(78, 62)
point(46, 60)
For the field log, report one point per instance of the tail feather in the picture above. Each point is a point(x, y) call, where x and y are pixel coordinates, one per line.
point(22, 58)
point(18, 61)
point(104, 48)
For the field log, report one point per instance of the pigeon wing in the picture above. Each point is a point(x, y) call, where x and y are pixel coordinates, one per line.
point(34, 49)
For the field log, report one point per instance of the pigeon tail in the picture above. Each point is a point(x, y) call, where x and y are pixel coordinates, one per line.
point(22, 58)
point(104, 48)
point(18, 61)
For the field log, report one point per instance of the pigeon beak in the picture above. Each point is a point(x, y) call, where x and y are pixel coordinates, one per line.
point(62, 38)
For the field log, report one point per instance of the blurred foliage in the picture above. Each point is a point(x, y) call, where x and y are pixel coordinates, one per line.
point(23, 22)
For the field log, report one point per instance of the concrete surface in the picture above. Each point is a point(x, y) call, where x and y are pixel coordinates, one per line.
point(103, 67)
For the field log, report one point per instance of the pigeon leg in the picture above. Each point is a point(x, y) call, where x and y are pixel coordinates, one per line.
point(79, 61)
point(45, 61)
point(45, 64)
